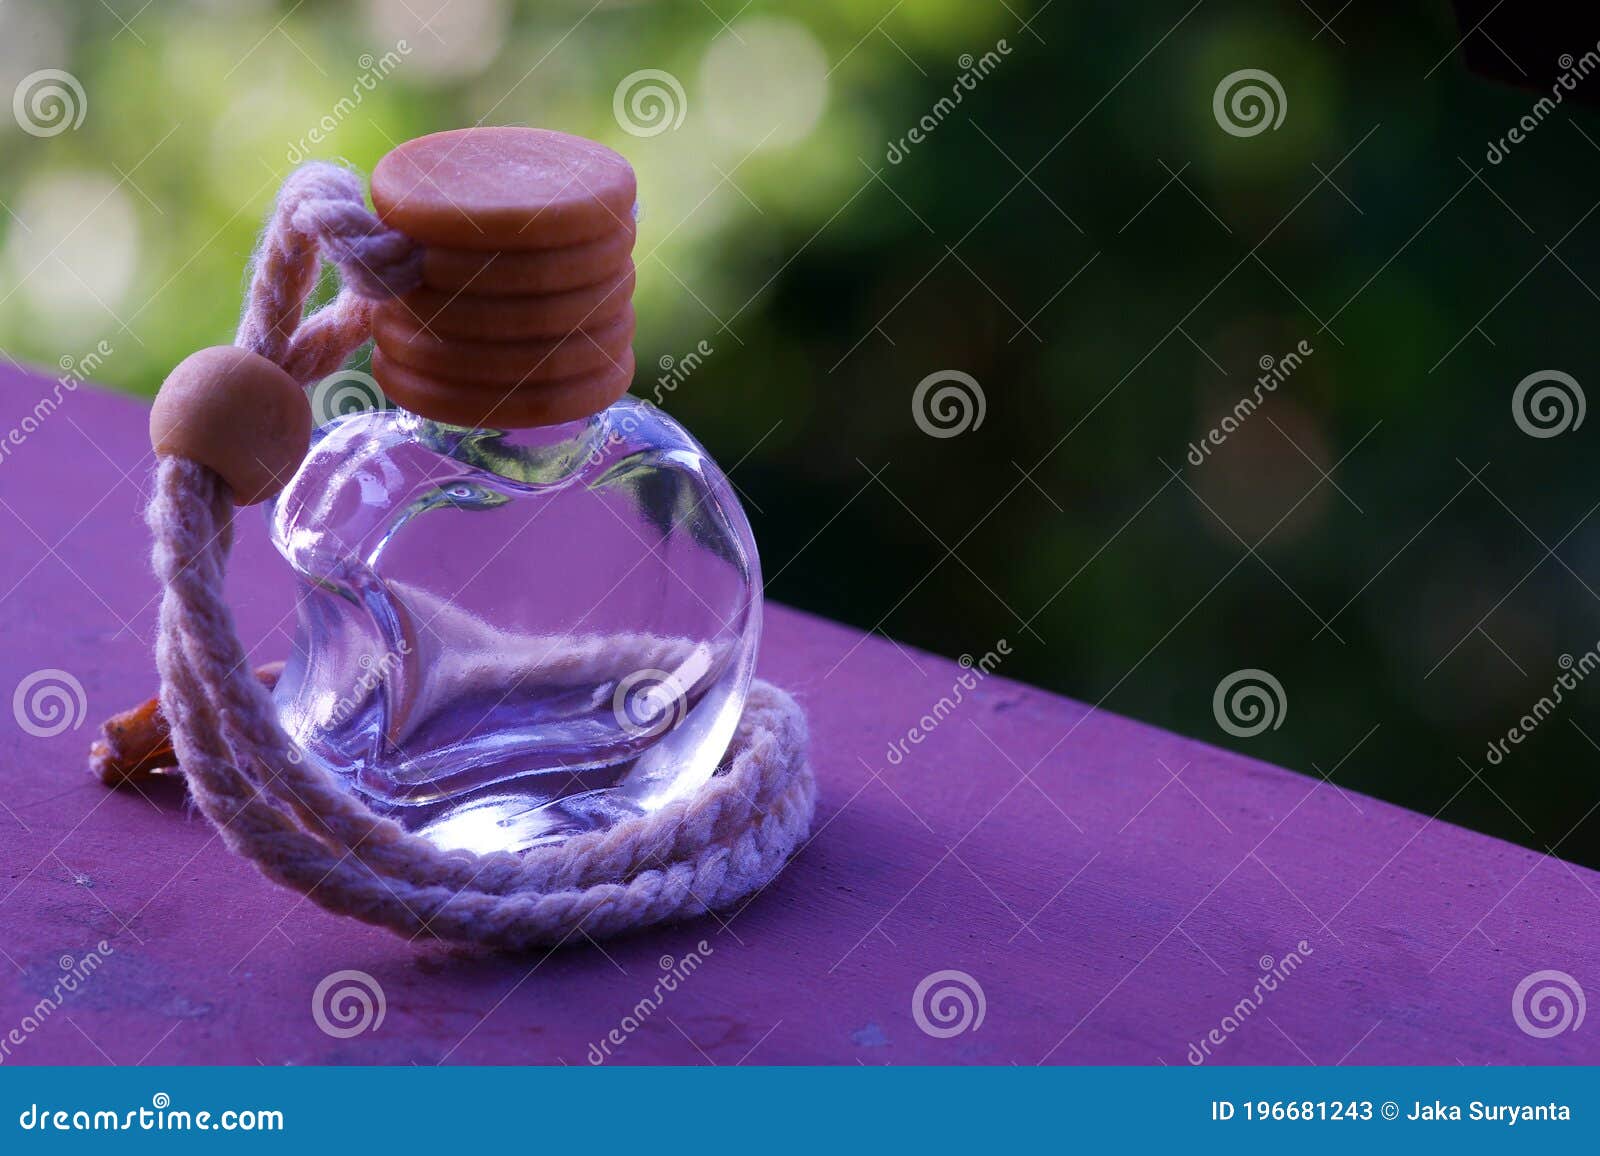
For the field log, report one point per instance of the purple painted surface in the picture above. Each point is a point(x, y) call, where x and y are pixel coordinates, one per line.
point(1109, 913)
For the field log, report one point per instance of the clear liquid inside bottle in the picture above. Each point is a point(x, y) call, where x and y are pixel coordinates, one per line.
point(510, 636)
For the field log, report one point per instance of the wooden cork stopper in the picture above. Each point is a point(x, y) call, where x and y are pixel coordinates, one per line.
point(505, 363)
point(499, 407)
point(525, 317)
point(513, 271)
point(236, 413)
point(503, 188)
point(525, 313)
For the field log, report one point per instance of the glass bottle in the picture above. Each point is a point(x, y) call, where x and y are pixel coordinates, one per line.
point(510, 635)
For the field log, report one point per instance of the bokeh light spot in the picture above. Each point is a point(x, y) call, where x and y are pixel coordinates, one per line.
point(447, 38)
point(764, 84)
point(78, 255)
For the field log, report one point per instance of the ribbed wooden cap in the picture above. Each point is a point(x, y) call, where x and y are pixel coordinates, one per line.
point(528, 236)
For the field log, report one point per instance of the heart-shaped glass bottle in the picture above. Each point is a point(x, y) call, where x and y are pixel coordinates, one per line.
point(529, 606)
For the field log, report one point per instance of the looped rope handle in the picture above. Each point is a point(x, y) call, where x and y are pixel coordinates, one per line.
point(321, 211)
point(291, 817)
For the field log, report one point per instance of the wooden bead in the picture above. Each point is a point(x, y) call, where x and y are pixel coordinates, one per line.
point(237, 413)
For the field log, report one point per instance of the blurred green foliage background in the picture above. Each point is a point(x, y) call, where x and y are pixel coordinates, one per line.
point(1078, 234)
